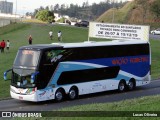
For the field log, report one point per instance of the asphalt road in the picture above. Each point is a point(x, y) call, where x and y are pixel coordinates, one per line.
point(155, 37)
point(111, 96)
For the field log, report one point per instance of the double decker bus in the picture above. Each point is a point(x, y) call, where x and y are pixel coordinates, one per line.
point(67, 70)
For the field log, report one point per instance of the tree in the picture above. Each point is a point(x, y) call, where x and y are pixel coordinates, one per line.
point(85, 11)
point(50, 19)
point(47, 8)
point(51, 8)
point(29, 14)
point(41, 8)
point(45, 15)
point(56, 7)
point(155, 8)
point(35, 12)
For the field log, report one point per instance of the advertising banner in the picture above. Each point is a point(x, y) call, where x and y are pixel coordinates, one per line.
point(118, 31)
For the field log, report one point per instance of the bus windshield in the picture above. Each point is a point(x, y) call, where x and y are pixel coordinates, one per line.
point(23, 81)
point(27, 58)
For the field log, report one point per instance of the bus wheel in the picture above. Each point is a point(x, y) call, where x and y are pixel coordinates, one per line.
point(121, 86)
point(59, 95)
point(73, 93)
point(131, 85)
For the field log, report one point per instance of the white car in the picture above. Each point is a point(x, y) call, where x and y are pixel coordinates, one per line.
point(154, 32)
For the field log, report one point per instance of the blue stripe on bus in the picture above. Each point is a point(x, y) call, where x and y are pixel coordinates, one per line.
point(132, 64)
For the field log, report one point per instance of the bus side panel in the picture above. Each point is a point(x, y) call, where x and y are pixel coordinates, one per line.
point(136, 65)
point(96, 86)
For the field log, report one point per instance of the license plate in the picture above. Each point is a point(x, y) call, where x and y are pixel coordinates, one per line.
point(20, 97)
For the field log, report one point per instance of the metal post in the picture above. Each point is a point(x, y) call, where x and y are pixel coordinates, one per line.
point(113, 12)
point(16, 11)
point(6, 6)
point(16, 7)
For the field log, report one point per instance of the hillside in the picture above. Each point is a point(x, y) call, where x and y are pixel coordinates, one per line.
point(116, 15)
point(134, 12)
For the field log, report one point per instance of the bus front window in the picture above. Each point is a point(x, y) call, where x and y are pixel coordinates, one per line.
point(23, 81)
point(27, 58)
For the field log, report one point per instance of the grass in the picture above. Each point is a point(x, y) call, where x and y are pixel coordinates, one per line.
point(150, 103)
point(141, 104)
point(12, 27)
point(123, 109)
point(155, 66)
point(18, 34)
point(33, 21)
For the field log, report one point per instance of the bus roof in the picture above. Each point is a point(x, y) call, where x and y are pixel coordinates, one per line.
point(40, 47)
point(82, 44)
point(103, 43)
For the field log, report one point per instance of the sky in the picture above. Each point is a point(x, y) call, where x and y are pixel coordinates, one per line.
point(24, 6)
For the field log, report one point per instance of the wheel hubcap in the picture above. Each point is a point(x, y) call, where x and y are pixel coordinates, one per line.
point(130, 85)
point(121, 87)
point(72, 94)
point(59, 96)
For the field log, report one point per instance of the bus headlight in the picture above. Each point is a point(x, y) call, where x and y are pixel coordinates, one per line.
point(12, 90)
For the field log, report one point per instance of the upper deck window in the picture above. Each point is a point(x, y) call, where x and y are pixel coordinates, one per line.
point(28, 58)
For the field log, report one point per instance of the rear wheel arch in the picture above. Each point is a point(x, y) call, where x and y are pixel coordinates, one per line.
point(73, 92)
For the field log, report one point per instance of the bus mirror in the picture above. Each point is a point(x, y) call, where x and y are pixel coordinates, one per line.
point(33, 77)
point(5, 74)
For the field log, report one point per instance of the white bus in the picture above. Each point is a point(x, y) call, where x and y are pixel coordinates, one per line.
point(67, 70)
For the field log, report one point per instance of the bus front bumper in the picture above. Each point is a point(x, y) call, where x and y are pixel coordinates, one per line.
point(31, 97)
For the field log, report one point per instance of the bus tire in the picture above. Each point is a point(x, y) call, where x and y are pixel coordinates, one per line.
point(73, 93)
point(131, 84)
point(59, 95)
point(122, 86)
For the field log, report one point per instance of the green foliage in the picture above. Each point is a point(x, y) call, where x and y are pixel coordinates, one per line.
point(45, 15)
point(50, 19)
point(85, 11)
point(62, 20)
point(155, 8)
